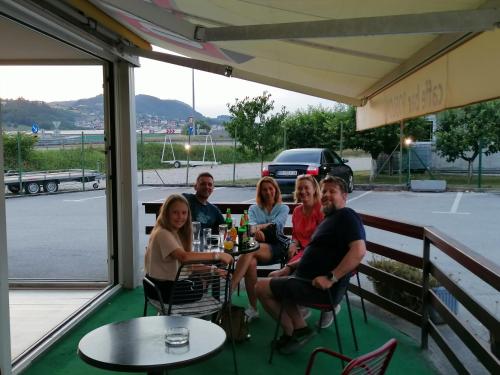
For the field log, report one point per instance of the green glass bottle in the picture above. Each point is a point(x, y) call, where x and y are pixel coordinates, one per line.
point(229, 221)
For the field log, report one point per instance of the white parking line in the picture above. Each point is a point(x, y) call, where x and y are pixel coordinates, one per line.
point(149, 188)
point(83, 199)
point(454, 207)
point(249, 201)
point(359, 196)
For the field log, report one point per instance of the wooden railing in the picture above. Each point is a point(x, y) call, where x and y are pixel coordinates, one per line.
point(475, 263)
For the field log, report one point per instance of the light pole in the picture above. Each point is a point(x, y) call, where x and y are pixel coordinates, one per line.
point(408, 142)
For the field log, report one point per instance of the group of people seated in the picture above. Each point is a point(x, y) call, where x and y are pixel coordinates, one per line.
point(327, 244)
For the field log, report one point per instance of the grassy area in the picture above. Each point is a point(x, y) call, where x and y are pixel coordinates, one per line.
point(241, 182)
point(452, 180)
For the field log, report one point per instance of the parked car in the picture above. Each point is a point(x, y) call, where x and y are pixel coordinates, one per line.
point(318, 162)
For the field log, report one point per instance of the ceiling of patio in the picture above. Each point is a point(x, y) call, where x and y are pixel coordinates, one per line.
point(344, 50)
point(393, 59)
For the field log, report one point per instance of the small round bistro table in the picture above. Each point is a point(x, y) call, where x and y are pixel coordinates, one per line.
point(138, 345)
point(236, 251)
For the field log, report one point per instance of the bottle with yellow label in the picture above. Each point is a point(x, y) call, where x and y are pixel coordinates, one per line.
point(228, 243)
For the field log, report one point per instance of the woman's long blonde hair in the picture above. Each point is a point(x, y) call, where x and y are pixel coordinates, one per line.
point(185, 232)
point(277, 195)
point(312, 180)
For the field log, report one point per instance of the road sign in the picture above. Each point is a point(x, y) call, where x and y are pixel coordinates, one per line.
point(190, 130)
point(34, 128)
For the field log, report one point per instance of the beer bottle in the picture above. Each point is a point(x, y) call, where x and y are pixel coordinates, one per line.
point(229, 221)
point(242, 233)
point(247, 222)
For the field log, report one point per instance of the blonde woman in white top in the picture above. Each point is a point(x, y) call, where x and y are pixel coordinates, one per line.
point(170, 245)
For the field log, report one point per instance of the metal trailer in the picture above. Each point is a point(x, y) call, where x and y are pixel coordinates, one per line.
point(33, 182)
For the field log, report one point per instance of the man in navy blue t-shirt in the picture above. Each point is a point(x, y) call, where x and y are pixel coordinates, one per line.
point(201, 209)
point(336, 248)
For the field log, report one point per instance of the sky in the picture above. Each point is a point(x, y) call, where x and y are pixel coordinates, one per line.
point(165, 81)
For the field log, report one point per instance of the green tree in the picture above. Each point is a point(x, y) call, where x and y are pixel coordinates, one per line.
point(258, 131)
point(10, 149)
point(308, 128)
point(465, 132)
point(202, 127)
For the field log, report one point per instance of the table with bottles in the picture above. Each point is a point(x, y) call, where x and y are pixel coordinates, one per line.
point(238, 240)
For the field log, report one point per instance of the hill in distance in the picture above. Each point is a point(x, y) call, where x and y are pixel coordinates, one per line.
point(79, 113)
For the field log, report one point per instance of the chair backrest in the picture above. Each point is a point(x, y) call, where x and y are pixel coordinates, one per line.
point(373, 363)
point(201, 289)
point(152, 295)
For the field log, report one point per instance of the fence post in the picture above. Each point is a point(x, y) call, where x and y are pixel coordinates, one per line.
point(142, 158)
point(425, 293)
point(234, 156)
point(83, 161)
point(480, 171)
point(19, 162)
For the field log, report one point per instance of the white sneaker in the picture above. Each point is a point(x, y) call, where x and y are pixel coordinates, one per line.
point(251, 313)
point(327, 318)
point(305, 312)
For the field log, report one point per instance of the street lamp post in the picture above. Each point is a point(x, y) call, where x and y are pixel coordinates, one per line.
point(408, 142)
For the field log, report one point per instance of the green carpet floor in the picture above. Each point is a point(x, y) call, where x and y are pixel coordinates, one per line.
point(252, 355)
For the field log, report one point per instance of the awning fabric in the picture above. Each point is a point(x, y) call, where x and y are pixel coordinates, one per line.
point(394, 59)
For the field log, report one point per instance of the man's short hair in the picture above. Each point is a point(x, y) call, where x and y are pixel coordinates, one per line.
point(204, 174)
point(336, 181)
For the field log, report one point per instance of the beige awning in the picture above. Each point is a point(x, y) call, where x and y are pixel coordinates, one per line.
point(393, 59)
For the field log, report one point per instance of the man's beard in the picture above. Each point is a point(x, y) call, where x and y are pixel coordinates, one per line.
point(328, 209)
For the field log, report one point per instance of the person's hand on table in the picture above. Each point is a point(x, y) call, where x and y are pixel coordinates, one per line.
point(259, 236)
point(224, 258)
point(322, 282)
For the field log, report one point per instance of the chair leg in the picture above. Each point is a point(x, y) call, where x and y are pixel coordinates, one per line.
point(337, 332)
point(145, 307)
point(321, 314)
point(362, 299)
point(276, 333)
point(351, 320)
point(228, 303)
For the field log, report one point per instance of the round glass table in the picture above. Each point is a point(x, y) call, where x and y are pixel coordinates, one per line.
point(138, 345)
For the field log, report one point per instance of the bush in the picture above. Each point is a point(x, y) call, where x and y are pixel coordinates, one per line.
point(402, 297)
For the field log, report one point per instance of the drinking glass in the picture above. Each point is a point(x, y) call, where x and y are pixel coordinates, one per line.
point(196, 235)
point(214, 243)
point(176, 336)
point(207, 239)
point(222, 234)
point(252, 229)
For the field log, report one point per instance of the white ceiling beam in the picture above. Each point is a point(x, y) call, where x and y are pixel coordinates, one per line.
point(424, 23)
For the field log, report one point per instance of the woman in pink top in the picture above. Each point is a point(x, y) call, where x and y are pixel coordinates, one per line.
point(305, 219)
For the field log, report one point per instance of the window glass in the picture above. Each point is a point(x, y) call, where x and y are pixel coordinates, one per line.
point(299, 156)
point(57, 236)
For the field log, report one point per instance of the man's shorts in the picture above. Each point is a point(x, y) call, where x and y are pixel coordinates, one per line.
point(302, 292)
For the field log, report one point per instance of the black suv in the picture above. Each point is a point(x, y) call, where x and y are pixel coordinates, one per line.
point(318, 162)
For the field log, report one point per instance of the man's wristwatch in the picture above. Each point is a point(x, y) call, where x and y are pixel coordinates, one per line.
point(332, 277)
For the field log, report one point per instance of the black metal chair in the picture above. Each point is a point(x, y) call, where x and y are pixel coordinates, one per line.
point(201, 289)
point(323, 308)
